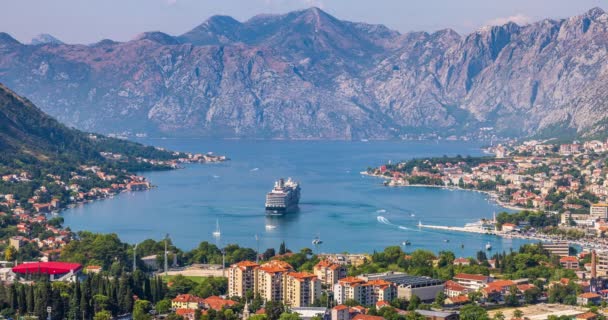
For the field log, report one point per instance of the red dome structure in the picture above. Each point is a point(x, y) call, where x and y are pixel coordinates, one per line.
point(48, 268)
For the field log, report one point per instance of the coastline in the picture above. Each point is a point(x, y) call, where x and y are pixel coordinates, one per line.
point(493, 195)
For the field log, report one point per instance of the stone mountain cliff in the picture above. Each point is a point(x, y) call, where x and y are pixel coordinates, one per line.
point(308, 75)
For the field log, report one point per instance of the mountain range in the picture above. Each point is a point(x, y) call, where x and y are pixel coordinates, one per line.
point(309, 75)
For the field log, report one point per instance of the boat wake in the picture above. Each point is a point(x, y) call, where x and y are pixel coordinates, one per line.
point(254, 169)
point(384, 220)
point(387, 222)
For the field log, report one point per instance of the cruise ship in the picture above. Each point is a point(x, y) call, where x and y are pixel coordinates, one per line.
point(283, 197)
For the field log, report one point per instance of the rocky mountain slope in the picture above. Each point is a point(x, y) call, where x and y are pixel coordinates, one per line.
point(308, 75)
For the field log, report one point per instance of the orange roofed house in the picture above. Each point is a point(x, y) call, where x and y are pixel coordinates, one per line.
point(216, 303)
point(187, 314)
point(569, 262)
point(186, 301)
point(472, 281)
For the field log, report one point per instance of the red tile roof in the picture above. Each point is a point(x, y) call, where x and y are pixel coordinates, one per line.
point(459, 299)
point(217, 303)
point(587, 315)
point(183, 312)
point(454, 286)
point(187, 298)
point(568, 259)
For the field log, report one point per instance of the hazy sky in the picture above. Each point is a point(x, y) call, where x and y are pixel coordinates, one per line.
point(86, 21)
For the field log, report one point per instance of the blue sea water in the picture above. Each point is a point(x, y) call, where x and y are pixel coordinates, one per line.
point(348, 211)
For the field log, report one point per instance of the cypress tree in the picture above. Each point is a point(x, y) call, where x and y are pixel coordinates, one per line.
point(13, 296)
point(57, 305)
point(84, 303)
point(74, 312)
point(22, 300)
point(30, 299)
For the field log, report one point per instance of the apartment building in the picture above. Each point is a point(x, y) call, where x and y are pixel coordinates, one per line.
point(599, 211)
point(301, 289)
point(274, 281)
point(269, 280)
point(364, 292)
point(241, 278)
point(558, 248)
point(329, 273)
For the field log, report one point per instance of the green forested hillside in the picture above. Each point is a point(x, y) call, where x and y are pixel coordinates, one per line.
point(30, 139)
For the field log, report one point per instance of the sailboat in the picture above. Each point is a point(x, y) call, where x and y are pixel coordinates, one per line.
point(217, 231)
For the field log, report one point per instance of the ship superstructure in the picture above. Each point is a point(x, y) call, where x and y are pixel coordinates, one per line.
point(284, 197)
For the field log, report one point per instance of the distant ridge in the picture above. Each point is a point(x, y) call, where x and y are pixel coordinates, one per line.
point(308, 75)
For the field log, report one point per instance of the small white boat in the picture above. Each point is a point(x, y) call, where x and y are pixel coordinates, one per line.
point(270, 227)
point(488, 246)
point(412, 215)
point(317, 241)
point(217, 231)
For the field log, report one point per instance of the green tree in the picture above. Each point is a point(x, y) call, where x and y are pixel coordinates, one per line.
point(499, 316)
point(289, 316)
point(473, 312)
point(141, 310)
point(518, 313)
point(163, 306)
point(440, 298)
point(103, 315)
point(274, 310)
point(414, 302)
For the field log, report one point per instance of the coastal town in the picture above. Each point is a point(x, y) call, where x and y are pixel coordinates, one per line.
point(30, 213)
point(561, 189)
point(538, 282)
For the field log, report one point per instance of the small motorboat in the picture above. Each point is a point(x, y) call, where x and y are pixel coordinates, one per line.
point(317, 241)
point(488, 246)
